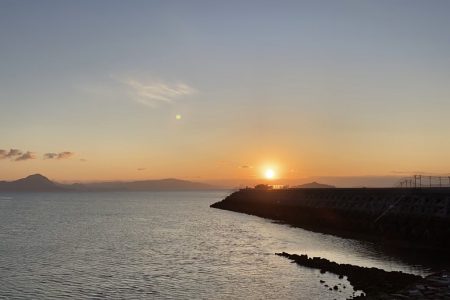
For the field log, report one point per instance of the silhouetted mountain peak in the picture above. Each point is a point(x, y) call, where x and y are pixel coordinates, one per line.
point(35, 182)
point(315, 185)
point(36, 178)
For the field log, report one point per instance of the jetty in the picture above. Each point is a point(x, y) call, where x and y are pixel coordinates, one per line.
point(418, 216)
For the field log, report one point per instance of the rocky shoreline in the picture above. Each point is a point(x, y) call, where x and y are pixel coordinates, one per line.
point(433, 287)
point(375, 283)
point(415, 219)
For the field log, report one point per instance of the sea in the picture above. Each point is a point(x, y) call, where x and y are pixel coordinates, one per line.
point(165, 245)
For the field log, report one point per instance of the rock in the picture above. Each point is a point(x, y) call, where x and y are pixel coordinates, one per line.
point(374, 282)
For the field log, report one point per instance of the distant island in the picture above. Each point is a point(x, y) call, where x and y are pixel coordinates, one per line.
point(40, 183)
point(314, 185)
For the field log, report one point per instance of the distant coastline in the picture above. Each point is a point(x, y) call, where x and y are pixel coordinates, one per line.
point(40, 183)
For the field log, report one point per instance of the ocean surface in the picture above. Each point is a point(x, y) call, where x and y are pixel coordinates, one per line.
point(163, 245)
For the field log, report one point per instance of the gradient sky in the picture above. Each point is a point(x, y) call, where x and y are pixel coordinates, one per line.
point(92, 89)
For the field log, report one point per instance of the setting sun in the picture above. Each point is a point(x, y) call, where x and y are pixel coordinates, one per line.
point(164, 139)
point(269, 174)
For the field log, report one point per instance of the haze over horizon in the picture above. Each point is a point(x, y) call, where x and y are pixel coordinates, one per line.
point(224, 91)
point(337, 181)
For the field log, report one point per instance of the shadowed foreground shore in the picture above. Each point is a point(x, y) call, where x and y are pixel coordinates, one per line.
point(415, 218)
point(377, 283)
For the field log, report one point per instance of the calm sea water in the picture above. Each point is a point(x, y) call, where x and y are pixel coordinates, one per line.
point(161, 245)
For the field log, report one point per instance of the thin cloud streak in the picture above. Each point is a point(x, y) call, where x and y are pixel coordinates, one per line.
point(246, 167)
point(61, 155)
point(153, 93)
point(19, 155)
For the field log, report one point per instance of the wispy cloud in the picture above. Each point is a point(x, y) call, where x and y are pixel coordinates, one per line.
point(153, 93)
point(245, 167)
point(26, 156)
point(61, 155)
point(11, 154)
point(234, 164)
point(19, 155)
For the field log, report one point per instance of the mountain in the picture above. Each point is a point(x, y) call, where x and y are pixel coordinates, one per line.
point(314, 185)
point(169, 184)
point(39, 183)
point(32, 183)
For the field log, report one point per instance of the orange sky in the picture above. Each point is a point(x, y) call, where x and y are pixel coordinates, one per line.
point(153, 90)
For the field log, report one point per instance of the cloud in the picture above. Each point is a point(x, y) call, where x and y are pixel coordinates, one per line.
point(16, 155)
point(50, 155)
point(153, 93)
point(19, 155)
point(245, 167)
point(10, 154)
point(141, 169)
point(26, 156)
point(13, 153)
point(83, 160)
point(61, 155)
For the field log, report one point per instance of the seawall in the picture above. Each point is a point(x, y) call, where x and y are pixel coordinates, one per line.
point(417, 216)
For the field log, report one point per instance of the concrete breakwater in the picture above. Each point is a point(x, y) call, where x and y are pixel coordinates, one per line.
point(418, 216)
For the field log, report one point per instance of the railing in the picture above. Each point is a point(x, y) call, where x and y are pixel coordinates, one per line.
point(424, 181)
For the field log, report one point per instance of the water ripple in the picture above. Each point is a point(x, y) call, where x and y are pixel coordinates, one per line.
point(162, 246)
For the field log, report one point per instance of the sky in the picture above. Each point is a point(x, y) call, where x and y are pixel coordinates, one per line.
point(223, 90)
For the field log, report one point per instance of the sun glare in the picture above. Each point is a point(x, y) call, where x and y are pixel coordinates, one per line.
point(269, 174)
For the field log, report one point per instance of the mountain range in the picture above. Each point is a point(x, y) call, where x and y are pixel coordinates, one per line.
point(40, 183)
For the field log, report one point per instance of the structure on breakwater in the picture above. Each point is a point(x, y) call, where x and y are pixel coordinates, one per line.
point(419, 216)
point(423, 181)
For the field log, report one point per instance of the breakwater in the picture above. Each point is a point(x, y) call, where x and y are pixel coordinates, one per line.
point(417, 216)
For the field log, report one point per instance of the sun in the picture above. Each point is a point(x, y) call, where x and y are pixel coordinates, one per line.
point(269, 174)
